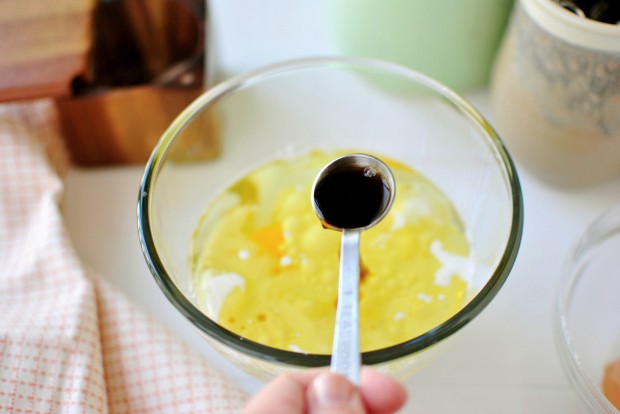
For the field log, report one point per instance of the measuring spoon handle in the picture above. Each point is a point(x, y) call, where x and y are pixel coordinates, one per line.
point(346, 357)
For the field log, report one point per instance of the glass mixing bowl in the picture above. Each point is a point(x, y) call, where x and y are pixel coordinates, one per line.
point(587, 326)
point(331, 103)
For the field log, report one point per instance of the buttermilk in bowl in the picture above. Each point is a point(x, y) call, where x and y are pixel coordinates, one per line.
point(265, 268)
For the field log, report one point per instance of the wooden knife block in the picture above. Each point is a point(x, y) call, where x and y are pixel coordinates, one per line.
point(123, 126)
point(43, 46)
point(119, 72)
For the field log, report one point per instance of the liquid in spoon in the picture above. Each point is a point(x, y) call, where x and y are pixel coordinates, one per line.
point(351, 196)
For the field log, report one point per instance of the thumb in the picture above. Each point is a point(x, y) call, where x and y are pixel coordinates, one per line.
point(331, 393)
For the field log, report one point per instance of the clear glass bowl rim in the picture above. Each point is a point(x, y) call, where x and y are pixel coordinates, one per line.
point(604, 226)
point(266, 353)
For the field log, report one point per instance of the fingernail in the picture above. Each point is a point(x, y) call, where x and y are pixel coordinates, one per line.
point(333, 390)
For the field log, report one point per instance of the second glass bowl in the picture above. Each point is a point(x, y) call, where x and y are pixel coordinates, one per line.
point(587, 325)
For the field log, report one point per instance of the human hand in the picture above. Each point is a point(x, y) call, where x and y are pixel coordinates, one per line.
point(322, 392)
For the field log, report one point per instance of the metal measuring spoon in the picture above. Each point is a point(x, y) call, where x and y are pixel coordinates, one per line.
point(351, 194)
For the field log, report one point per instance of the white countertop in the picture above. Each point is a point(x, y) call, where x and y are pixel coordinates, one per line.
point(503, 362)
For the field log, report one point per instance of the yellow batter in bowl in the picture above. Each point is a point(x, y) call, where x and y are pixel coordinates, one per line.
point(264, 268)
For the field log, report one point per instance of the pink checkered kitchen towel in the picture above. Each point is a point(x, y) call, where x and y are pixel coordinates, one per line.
point(69, 342)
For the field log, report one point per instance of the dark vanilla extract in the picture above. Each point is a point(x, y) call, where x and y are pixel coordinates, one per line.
point(352, 196)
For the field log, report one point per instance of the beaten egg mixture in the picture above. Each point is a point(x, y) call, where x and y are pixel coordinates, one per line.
point(264, 267)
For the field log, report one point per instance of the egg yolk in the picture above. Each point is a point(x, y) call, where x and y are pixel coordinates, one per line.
point(611, 383)
point(265, 268)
